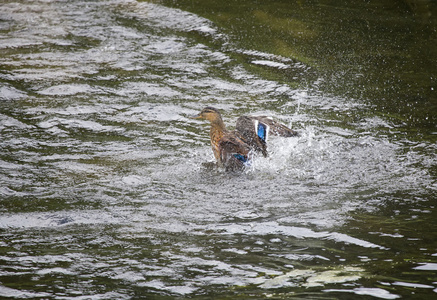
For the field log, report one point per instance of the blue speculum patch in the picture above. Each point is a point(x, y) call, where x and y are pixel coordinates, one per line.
point(262, 131)
point(240, 157)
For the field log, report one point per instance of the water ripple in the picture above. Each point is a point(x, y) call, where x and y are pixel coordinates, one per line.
point(106, 181)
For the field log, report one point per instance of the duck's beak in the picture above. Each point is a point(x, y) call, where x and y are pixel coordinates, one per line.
point(198, 116)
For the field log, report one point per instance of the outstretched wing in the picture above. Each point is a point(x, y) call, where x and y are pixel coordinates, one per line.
point(254, 130)
point(275, 128)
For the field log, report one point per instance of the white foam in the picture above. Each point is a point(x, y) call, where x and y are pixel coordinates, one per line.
point(427, 266)
point(270, 63)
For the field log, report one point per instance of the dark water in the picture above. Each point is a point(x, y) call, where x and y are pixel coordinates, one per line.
point(104, 193)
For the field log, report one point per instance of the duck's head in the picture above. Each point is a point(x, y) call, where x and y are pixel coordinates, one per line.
point(209, 113)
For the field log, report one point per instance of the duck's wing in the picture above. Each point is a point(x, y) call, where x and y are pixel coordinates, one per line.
point(254, 130)
point(253, 133)
point(234, 152)
point(274, 127)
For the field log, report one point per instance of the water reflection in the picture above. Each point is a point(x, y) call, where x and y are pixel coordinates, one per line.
point(104, 192)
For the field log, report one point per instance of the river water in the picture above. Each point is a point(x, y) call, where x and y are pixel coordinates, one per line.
point(105, 192)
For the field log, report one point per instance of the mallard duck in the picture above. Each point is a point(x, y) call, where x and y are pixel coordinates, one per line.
point(234, 149)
